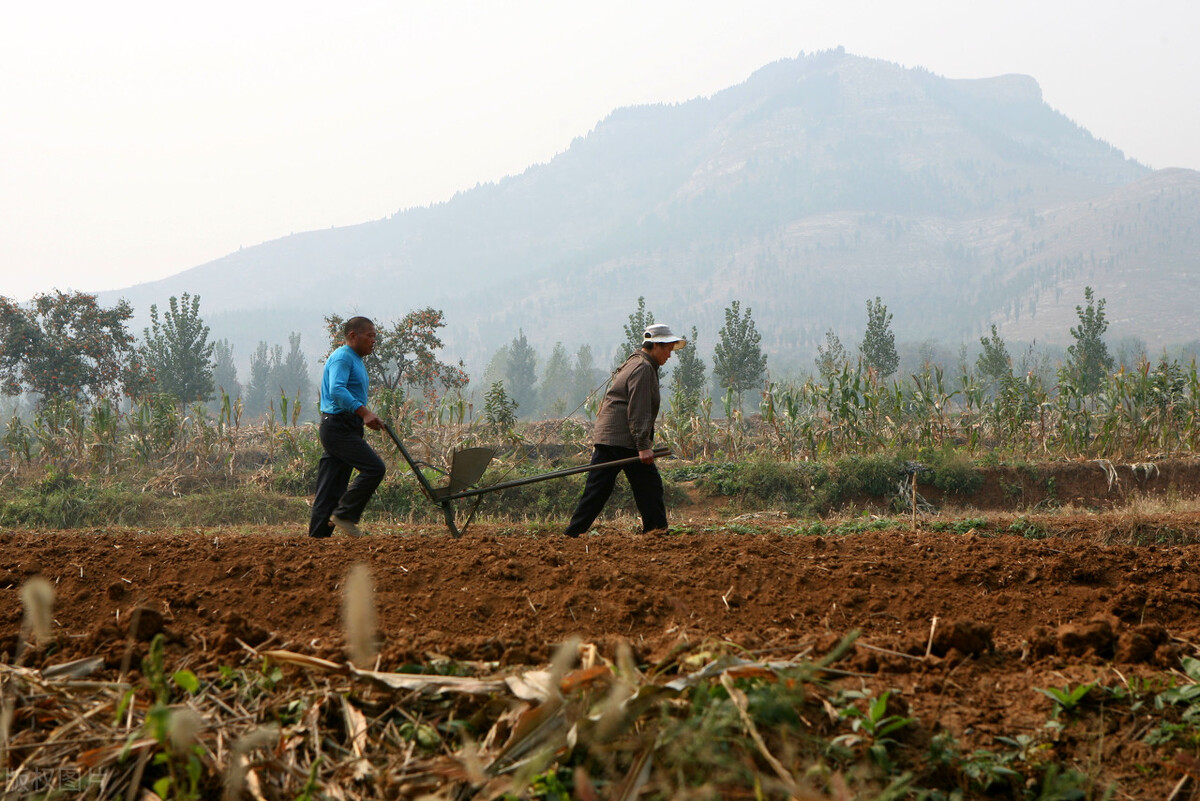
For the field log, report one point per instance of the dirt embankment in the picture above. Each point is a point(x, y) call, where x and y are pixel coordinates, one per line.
point(1087, 483)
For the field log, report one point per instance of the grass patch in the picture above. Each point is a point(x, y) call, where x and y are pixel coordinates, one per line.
point(84, 505)
point(822, 529)
point(818, 489)
point(229, 507)
point(960, 526)
point(803, 489)
point(1029, 529)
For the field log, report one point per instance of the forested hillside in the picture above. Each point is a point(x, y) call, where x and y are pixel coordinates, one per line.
point(816, 184)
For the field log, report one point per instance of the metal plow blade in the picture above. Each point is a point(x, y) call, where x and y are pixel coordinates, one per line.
point(466, 468)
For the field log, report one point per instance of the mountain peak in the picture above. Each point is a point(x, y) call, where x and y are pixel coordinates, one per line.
point(1011, 89)
point(816, 183)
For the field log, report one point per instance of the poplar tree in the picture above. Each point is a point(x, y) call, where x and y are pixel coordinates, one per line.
point(1088, 360)
point(739, 363)
point(587, 377)
point(687, 379)
point(224, 370)
point(994, 365)
point(522, 372)
point(264, 363)
point(291, 375)
point(557, 383)
point(831, 355)
point(878, 347)
point(497, 366)
point(177, 351)
point(635, 330)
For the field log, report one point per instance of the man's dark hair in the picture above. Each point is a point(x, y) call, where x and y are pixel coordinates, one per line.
point(355, 325)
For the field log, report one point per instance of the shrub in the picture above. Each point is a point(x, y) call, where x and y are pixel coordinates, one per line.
point(955, 474)
point(876, 475)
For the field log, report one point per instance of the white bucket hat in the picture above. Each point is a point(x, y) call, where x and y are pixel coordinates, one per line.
point(662, 333)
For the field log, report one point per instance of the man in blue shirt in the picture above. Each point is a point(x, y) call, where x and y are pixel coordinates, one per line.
point(344, 413)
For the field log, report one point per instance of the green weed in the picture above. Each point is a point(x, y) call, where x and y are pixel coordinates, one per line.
point(1068, 699)
point(1030, 530)
point(870, 729)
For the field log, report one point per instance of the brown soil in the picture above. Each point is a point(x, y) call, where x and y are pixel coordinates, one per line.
point(1012, 614)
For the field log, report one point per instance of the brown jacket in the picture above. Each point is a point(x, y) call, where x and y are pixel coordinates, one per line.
point(627, 413)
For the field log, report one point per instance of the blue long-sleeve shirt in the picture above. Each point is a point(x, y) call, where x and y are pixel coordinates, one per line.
point(344, 382)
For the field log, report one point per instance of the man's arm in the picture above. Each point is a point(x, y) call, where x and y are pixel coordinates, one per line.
point(369, 418)
point(640, 410)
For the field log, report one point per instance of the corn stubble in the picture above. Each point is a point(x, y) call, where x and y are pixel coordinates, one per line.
point(287, 725)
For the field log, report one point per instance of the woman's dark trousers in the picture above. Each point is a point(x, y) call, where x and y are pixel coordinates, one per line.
point(345, 451)
point(644, 480)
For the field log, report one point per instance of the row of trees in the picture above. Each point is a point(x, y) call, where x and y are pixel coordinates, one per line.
point(569, 383)
point(739, 364)
point(1087, 363)
point(63, 345)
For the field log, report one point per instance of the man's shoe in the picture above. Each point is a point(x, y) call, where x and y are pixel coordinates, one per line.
point(347, 527)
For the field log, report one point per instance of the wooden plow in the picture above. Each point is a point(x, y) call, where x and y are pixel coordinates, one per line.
point(467, 467)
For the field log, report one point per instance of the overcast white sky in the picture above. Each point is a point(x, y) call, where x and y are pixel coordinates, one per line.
point(140, 139)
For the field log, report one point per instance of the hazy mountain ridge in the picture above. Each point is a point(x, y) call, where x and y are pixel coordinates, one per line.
point(817, 183)
point(1140, 244)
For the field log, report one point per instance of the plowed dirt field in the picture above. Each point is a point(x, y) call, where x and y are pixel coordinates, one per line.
point(964, 624)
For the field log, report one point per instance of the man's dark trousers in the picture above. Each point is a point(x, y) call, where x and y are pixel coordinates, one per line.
point(644, 480)
point(345, 451)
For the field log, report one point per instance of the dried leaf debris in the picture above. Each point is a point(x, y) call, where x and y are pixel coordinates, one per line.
point(284, 724)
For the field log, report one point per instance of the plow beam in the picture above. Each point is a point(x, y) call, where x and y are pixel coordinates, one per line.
point(659, 453)
point(474, 462)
